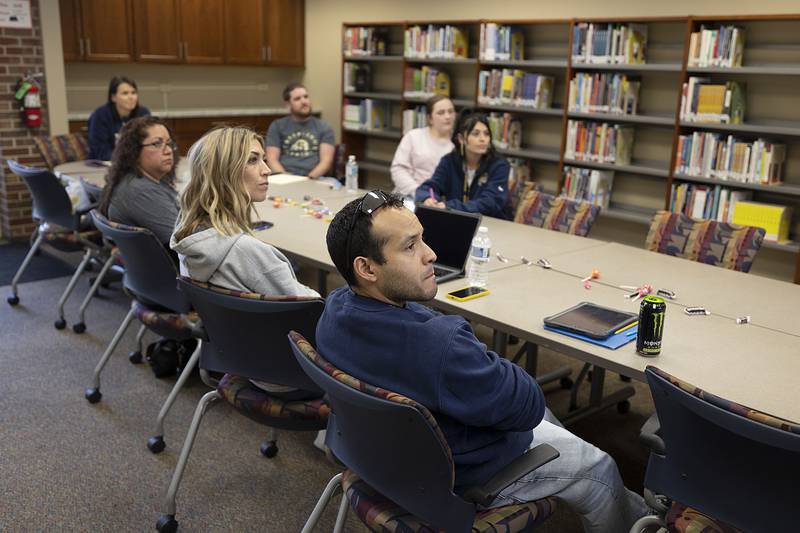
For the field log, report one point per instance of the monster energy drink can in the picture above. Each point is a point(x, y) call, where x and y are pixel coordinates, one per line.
point(651, 326)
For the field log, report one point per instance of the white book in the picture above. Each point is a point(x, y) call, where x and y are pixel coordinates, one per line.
point(699, 202)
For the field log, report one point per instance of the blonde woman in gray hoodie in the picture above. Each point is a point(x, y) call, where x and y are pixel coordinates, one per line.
point(214, 235)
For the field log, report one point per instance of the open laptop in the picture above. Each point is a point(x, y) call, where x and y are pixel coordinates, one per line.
point(449, 233)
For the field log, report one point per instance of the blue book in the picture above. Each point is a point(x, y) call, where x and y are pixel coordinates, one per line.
point(612, 341)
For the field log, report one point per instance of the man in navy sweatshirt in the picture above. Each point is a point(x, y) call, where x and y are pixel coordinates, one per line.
point(489, 409)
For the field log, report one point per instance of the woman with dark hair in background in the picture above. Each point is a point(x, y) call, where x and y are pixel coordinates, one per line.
point(421, 149)
point(108, 119)
point(141, 183)
point(471, 177)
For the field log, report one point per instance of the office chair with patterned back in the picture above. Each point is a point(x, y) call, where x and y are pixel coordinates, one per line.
point(248, 334)
point(705, 241)
point(58, 149)
point(60, 226)
point(722, 466)
point(400, 470)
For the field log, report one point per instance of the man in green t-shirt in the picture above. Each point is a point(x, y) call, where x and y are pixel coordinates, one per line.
point(300, 143)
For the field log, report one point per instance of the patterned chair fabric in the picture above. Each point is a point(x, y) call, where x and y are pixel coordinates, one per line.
point(60, 149)
point(727, 405)
point(705, 241)
point(249, 295)
point(260, 406)
point(379, 513)
point(66, 240)
point(559, 214)
point(517, 189)
point(172, 325)
point(683, 519)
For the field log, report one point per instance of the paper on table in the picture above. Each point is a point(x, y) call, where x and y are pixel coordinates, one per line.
point(612, 341)
point(284, 179)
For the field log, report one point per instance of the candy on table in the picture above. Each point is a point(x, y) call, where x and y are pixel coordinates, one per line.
point(594, 275)
point(587, 284)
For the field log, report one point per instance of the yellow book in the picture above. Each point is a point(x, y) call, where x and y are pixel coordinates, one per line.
point(711, 100)
point(460, 45)
point(442, 84)
point(773, 218)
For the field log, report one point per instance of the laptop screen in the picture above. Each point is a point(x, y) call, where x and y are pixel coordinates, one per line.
point(449, 233)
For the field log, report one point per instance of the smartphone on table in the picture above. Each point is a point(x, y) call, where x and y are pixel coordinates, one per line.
point(467, 293)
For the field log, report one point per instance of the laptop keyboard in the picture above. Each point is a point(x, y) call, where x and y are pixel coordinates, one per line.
point(438, 272)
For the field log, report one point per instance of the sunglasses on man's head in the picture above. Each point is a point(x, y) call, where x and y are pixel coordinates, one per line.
point(370, 202)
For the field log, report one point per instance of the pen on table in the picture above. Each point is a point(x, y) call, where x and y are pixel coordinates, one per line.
point(430, 194)
point(632, 333)
point(623, 328)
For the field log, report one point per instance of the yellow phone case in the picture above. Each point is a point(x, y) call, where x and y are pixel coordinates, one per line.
point(465, 298)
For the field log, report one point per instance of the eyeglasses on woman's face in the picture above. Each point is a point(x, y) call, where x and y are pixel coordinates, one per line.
point(161, 144)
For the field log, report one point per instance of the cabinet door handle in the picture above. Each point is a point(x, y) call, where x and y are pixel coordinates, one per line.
point(80, 43)
point(269, 53)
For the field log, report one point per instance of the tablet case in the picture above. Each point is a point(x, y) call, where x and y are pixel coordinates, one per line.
point(609, 324)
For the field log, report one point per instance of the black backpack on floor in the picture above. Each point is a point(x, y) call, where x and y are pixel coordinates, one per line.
point(168, 357)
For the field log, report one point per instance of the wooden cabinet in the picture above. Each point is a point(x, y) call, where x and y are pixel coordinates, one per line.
point(285, 24)
point(201, 31)
point(244, 32)
point(155, 25)
point(178, 31)
point(106, 30)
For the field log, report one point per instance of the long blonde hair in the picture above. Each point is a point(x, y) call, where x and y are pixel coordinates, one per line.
point(216, 196)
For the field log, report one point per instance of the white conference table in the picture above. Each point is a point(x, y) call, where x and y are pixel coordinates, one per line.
point(754, 364)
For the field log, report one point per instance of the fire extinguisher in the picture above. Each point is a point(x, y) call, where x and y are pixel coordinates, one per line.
point(30, 103)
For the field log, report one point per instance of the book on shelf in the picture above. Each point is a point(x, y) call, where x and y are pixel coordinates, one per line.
point(600, 142)
point(359, 41)
point(726, 157)
point(707, 202)
point(415, 118)
point(599, 43)
point(357, 77)
point(716, 47)
point(425, 82)
point(366, 114)
point(588, 185)
point(706, 102)
point(500, 42)
point(773, 218)
point(506, 130)
point(515, 87)
point(435, 41)
point(603, 93)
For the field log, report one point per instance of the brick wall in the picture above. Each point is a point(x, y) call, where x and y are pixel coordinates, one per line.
point(20, 52)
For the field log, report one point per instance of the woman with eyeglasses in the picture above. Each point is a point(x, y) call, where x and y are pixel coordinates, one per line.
point(107, 120)
point(472, 177)
point(214, 235)
point(141, 183)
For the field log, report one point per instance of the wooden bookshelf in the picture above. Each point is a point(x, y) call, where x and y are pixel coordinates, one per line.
point(770, 71)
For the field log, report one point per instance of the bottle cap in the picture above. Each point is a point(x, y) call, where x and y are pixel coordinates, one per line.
point(483, 229)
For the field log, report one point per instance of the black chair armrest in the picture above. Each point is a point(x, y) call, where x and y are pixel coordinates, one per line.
point(524, 464)
point(650, 435)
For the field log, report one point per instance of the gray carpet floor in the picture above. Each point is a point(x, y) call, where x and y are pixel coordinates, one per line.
point(66, 465)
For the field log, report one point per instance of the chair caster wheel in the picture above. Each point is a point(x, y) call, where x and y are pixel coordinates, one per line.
point(167, 524)
point(80, 327)
point(269, 449)
point(623, 407)
point(156, 444)
point(60, 323)
point(566, 383)
point(13, 300)
point(93, 395)
point(135, 357)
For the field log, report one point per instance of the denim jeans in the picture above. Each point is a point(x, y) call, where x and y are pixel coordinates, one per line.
point(584, 477)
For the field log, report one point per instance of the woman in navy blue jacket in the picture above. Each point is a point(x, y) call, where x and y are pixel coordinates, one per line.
point(107, 120)
point(471, 177)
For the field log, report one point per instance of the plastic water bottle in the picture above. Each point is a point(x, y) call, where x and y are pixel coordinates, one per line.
point(479, 255)
point(351, 174)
